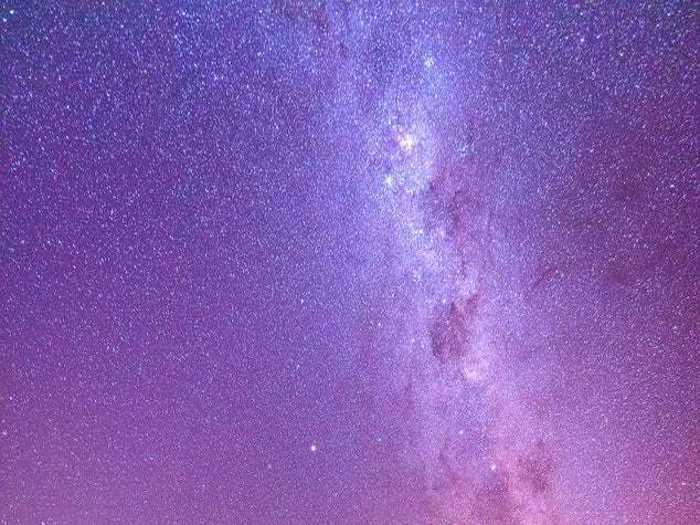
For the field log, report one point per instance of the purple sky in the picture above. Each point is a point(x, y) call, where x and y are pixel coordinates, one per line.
point(349, 263)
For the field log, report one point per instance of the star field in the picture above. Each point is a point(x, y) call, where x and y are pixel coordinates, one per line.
point(349, 263)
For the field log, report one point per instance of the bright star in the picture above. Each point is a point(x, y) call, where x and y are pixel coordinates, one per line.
point(407, 142)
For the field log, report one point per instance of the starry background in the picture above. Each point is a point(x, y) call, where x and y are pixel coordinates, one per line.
point(354, 263)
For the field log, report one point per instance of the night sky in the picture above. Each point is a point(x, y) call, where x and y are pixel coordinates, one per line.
point(312, 263)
